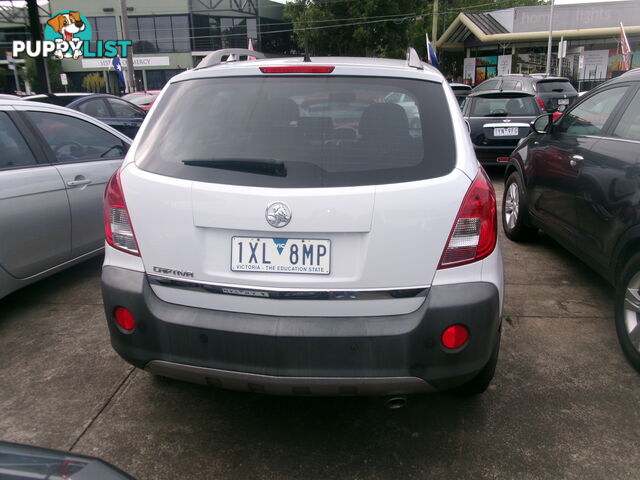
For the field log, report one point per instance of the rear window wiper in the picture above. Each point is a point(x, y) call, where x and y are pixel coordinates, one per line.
point(261, 166)
point(557, 89)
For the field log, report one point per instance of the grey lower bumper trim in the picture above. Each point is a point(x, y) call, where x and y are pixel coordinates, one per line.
point(251, 382)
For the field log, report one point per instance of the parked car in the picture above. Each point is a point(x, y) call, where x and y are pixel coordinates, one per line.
point(23, 462)
point(54, 166)
point(461, 91)
point(498, 120)
point(578, 179)
point(253, 247)
point(551, 93)
point(144, 100)
point(114, 111)
point(4, 96)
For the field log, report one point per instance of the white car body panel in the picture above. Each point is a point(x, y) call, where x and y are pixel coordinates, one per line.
point(382, 236)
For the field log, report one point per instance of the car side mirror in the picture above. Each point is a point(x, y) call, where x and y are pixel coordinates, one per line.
point(542, 124)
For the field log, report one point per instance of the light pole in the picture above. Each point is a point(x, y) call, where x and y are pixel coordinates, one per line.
point(550, 40)
point(127, 36)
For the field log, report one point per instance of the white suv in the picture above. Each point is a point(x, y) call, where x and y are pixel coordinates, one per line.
point(278, 226)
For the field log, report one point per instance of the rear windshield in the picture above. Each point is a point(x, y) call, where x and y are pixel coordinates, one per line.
point(296, 132)
point(504, 106)
point(557, 86)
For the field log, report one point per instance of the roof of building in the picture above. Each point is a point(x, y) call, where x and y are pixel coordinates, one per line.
point(487, 23)
point(532, 23)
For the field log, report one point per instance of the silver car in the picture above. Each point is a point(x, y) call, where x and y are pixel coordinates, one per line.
point(54, 165)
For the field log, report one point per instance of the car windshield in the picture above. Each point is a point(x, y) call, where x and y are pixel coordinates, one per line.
point(503, 106)
point(323, 131)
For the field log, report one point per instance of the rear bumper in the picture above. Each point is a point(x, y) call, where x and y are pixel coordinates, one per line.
point(305, 355)
point(490, 155)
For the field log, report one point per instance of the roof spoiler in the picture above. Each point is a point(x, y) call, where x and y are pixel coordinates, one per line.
point(215, 58)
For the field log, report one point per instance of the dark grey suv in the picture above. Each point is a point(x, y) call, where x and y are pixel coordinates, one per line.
point(552, 93)
point(578, 179)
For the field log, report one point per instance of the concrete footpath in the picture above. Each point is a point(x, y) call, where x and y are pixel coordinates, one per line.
point(564, 403)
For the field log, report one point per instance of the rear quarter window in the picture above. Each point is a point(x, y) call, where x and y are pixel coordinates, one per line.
point(295, 132)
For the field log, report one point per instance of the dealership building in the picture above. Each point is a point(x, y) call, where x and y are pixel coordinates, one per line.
point(514, 40)
point(168, 36)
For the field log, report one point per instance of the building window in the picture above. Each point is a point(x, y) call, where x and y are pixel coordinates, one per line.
point(156, 79)
point(213, 33)
point(160, 34)
point(102, 28)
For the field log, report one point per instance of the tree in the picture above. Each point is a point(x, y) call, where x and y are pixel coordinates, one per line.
point(93, 82)
point(368, 28)
point(54, 67)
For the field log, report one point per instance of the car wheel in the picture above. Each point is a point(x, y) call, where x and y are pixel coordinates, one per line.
point(481, 381)
point(514, 211)
point(628, 311)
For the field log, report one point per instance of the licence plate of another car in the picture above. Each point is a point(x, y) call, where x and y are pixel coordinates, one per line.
point(563, 101)
point(281, 255)
point(505, 131)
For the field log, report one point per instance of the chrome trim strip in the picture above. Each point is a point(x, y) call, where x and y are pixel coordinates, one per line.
point(279, 385)
point(506, 125)
point(287, 294)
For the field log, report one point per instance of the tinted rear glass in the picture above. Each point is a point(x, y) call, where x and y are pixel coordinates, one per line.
point(555, 86)
point(502, 107)
point(294, 132)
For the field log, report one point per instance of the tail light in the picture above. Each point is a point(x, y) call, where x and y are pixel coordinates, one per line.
point(541, 103)
point(475, 230)
point(118, 230)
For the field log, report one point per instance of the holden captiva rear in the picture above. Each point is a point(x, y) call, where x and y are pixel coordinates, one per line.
point(293, 227)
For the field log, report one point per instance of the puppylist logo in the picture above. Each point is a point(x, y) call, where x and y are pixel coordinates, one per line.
point(68, 35)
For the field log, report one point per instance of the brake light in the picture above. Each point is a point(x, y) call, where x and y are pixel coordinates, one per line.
point(475, 230)
point(541, 103)
point(118, 230)
point(298, 69)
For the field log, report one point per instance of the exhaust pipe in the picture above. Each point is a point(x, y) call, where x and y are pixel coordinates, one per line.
point(395, 403)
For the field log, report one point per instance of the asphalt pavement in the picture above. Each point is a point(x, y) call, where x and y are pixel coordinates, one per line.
point(564, 404)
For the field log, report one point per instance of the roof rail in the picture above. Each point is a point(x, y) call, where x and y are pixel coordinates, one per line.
point(413, 60)
point(214, 58)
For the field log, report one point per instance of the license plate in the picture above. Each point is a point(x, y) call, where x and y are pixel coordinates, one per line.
point(281, 255)
point(505, 131)
point(563, 101)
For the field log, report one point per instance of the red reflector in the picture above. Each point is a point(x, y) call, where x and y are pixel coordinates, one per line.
point(298, 69)
point(555, 116)
point(541, 103)
point(455, 336)
point(124, 319)
point(502, 159)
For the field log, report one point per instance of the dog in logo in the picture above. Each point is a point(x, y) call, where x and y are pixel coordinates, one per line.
point(67, 25)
